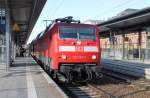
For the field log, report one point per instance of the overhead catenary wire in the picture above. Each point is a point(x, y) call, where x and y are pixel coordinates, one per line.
point(115, 7)
point(57, 8)
point(53, 13)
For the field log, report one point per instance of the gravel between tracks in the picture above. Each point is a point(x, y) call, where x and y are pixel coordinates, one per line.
point(138, 88)
point(121, 89)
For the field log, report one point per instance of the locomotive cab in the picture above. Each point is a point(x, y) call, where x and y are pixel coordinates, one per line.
point(78, 51)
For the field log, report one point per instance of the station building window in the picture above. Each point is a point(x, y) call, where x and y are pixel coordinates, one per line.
point(148, 44)
point(2, 34)
point(112, 48)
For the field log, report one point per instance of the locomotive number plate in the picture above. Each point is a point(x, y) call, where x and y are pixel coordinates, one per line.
point(79, 48)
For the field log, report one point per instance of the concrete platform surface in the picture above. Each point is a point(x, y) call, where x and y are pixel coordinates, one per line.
point(25, 79)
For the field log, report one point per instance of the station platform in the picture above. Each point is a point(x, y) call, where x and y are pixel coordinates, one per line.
point(133, 68)
point(25, 79)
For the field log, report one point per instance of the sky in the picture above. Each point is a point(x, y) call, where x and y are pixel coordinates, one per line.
point(83, 10)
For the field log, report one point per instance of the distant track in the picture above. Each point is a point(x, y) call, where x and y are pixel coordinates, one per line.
point(118, 76)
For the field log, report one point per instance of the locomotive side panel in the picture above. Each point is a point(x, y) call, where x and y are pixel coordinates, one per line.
point(52, 43)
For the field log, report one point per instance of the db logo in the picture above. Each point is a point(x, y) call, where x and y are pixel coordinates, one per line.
point(79, 48)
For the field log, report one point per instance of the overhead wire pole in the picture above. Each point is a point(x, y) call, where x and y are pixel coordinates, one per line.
point(7, 15)
point(54, 12)
point(46, 22)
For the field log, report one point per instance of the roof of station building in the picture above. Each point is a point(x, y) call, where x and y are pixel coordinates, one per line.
point(127, 19)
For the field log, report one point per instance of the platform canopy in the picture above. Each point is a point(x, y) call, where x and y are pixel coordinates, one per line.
point(135, 19)
point(24, 14)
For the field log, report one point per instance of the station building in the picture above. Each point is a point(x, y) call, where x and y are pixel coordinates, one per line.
point(17, 19)
point(127, 36)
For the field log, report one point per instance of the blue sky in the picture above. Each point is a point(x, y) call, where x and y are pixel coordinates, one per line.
point(84, 10)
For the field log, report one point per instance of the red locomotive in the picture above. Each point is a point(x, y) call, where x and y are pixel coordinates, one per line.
point(69, 48)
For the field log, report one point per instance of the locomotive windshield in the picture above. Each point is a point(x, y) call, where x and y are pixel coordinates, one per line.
point(77, 33)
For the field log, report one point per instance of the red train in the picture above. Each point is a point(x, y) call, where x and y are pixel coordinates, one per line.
point(70, 49)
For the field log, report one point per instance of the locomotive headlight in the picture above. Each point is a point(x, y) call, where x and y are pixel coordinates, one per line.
point(64, 57)
point(78, 42)
point(93, 57)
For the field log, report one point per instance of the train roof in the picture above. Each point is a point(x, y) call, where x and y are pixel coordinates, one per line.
point(67, 20)
point(61, 21)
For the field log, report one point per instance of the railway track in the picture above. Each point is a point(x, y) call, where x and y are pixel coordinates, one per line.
point(131, 80)
point(86, 91)
point(91, 90)
point(118, 76)
point(112, 85)
point(103, 93)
